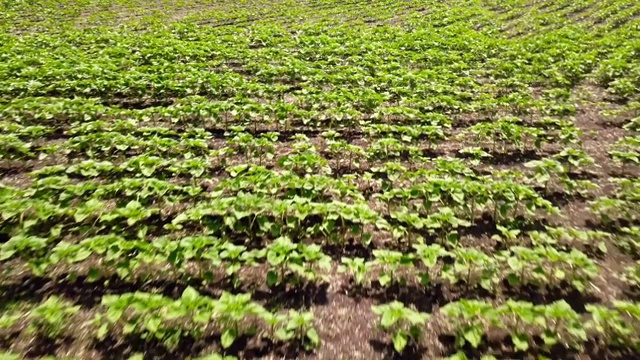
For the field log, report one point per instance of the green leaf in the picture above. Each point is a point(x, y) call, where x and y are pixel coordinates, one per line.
point(190, 294)
point(147, 170)
point(228, 337)
point(458, 356)
point(153, 324)
point(474, 336)
point(388, 319)
point(399, 341)
point(602, 247)
point(114, 313)
point(384, 279)
point(93, 275)
point(208, 277)
point(578, 331)
point(513, 280)
point(514, 263)
point(272, 278)
point(283, 334)
point(312, 335)
point(102, 331)
point(425, 279)
point(549, 338)
point(520, 341)
point(128, 328)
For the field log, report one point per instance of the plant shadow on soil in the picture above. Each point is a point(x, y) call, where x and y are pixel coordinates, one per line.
point(508, 158)
point(411, 352)
point(548, 294)
point(426, 298)
point(500, 345)
point(89, 294)
point(244, 347)
point(297, 297)
point(351, 249)
point(632, 292)
point(8, 339)
point(82, 292)
point(15, 168)
point(560, 198)
point(41, 346)
point(614, 227)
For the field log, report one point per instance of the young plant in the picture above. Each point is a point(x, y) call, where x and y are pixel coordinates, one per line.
point(402, 323)
point(298, 259)
point(52, 319)
point(357, 268)
point(470, 319)
point(230, 312)
point(299, 326)
point(476, 154)
point(573, 158)
point(391, 264)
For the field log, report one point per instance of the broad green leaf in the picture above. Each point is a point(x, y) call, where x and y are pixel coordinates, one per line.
point(102, 331)
point(384, 279)
point(514, 280)
point(272, 278)
point(93, 275)
point(228, 337)
point(549, 338)
point(458, 356)
point(602, 247)
point(388, 319)
point(147, 170)
point(474, 336)
point(520, 341)
point(153, 324)
point(128, 328)
point(514, 263)
point(312, 335)
point(190, 294)
point(399, 341)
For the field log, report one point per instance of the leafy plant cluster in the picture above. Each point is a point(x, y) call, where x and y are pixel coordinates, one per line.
point(216, 260)
point(541, 266)
point(524, 322)
point(153, 316)
point(623, 205)
point(200, 140)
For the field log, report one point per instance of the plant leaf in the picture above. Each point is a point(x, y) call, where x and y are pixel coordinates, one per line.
point(312, 335)
point(272, 278)
point(473, 335)
point(399, 341)
point(520, 341)
point(228, 337)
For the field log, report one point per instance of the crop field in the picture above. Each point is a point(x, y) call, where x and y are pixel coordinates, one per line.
point(320, 179)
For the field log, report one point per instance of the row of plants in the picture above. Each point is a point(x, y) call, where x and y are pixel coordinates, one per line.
point(253, 145)
point(443, 205)
point(204, 258)
point(621, 206)
point(524, 323)
point(210, 259)
point(518, 266)
point(90, 115)
point(152, 316)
